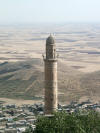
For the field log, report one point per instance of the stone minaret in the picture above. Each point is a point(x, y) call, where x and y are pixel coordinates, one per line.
point(50, 76)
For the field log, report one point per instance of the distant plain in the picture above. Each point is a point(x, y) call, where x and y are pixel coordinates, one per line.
point(78, 46)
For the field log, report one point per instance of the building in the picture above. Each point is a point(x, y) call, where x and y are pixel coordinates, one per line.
point(50, 61)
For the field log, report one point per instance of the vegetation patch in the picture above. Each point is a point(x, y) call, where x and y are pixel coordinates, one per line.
point(61, 122)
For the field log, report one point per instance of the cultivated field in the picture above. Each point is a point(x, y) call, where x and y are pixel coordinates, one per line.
point(78, 46)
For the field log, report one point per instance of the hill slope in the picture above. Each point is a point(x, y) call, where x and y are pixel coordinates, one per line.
point(25, 80)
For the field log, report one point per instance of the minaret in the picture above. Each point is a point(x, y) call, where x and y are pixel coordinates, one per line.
point(50, 62)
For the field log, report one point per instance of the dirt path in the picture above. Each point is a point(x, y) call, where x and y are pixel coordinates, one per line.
point(19, 102)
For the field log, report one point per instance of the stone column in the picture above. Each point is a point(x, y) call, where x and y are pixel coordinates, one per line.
point(50, 86)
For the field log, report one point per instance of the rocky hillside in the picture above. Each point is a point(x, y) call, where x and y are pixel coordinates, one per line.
point(25, 80)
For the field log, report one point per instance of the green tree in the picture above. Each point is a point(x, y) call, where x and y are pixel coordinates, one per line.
point(61, 122)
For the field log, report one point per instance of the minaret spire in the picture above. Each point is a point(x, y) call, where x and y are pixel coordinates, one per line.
point(50, 76)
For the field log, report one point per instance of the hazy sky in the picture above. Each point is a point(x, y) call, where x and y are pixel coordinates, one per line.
point(32, 11)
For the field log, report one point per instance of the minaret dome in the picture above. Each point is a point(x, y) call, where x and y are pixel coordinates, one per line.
point(50, 40)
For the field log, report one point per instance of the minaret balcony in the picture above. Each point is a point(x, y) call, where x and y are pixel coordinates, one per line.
point(50, 59)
